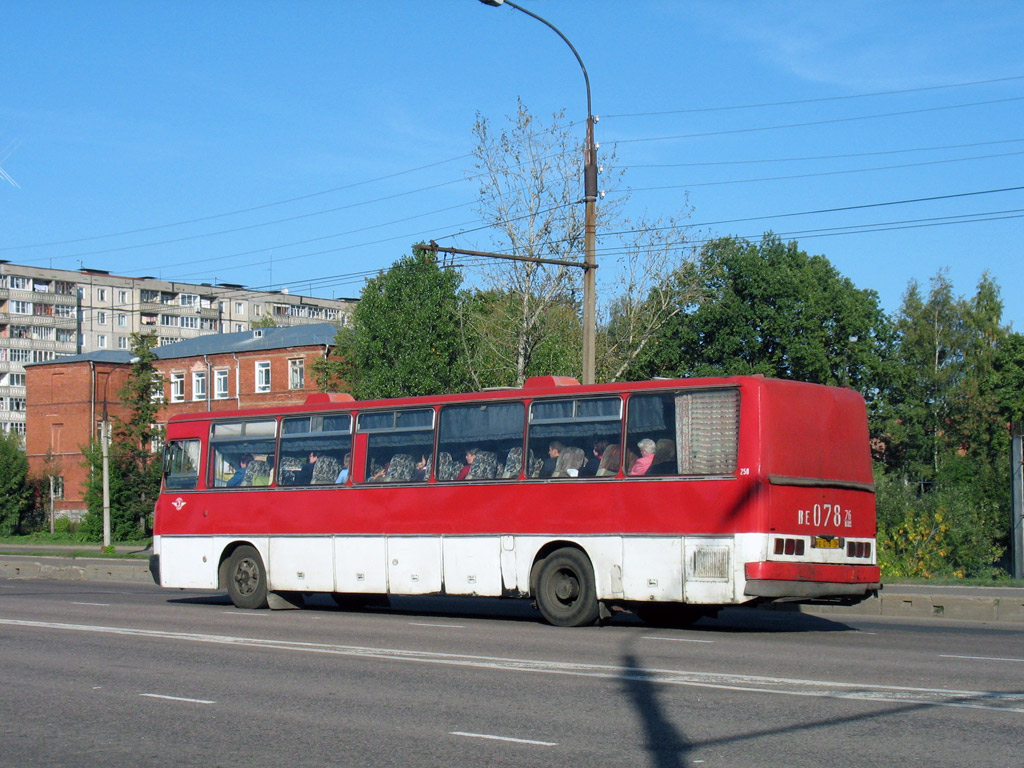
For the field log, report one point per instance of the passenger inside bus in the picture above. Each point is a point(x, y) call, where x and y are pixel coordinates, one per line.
point(243, 464)
point(345, 469)
point(642, 464)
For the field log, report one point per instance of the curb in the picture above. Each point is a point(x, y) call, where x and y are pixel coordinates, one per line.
point(73, 569)
point(999, 605)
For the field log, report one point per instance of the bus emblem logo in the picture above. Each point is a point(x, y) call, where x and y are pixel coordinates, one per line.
point(178, 503)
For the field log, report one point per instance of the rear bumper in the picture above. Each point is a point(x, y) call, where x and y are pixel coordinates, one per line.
point(811, 580)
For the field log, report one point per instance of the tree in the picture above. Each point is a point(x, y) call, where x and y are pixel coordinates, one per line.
point(15, 491)
point(945, 430)
point(530, 193)
point(134, 469)
point(771, 309)
point(405, 338)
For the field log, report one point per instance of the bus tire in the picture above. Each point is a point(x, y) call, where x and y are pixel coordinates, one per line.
point(247, 578)
point(566, 593)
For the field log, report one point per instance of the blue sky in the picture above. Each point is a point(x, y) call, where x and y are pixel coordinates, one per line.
point(305, 144)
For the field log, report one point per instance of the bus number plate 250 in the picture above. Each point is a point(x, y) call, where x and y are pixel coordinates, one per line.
point(825, 514)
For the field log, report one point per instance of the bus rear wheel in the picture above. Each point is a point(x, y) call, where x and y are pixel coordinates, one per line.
point(247, 578)
point(566, 593)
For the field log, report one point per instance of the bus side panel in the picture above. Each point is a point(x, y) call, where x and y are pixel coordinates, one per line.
point(652, 568)
point(709, 570)
point(360, 564)
point(301, 563)
point(414, 565)
point(472, 565)
point(188, 562)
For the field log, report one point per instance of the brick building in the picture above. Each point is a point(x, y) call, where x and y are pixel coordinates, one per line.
point(51, 313)
point(68, 397)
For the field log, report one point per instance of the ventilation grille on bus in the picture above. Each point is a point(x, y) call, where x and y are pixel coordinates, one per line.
point(707, 425)
point(709, 564)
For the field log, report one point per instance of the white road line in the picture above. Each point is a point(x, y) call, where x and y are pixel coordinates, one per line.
point(830, 689)
point(104, 605)
point(675, 639)
point(255, 614)
point(177, 698)
point(978, 658)
point(445, 626)
point(504, 738)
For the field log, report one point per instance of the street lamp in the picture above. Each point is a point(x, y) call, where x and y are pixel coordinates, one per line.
point(105, 449)
point(590, 211)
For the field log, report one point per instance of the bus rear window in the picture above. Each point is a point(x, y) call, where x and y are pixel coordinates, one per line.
point(683, 433)
point(181, 465)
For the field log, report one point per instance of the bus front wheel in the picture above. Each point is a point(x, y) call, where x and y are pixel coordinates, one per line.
point(566, 593)
point(247, 578)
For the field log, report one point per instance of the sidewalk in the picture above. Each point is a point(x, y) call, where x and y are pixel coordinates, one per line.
point(915, 601)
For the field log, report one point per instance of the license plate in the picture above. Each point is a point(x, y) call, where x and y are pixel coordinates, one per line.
point(827, 542)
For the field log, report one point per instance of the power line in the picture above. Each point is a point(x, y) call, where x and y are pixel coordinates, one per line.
point(815, 100)
point(823, 173)
point(818, 157)
point(817, 122)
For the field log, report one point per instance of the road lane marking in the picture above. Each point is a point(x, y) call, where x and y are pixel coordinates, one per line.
point(676, 639)
point(830, 689)
point(978, 658)
point(177, 698)
point(104, 605)
point(445, 626)
point(504, 738)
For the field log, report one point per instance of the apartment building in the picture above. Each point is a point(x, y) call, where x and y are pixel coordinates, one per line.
point(51, 313)
point(68, 398)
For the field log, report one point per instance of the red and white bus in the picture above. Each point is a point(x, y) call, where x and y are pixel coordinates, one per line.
point(671, 498)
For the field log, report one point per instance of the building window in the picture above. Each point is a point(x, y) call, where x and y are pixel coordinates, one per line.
point(220, 385)
point(21, 355)
point(65, 336)
point(239, 308)
point(238, 327)
point(21, 283)
point(16, 379)
point(169, 320)
point(62, 311)
point(101, 294)
point(101, 318)
point(199, 385)
point(190, 321)
point(158, 388)
point(263, 376)
point(150, 296)
point(188, 299)
point(122, 342)
point(297, 374)
point(177, 387)
point(21, 307)
point(122, 297)
point(122, 320)
point(101, 341)
point(258, 310)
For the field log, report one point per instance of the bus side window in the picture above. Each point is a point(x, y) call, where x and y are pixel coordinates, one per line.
point(399, 445)
point(480, 442)
point(313, 449)
point(575, 438)
point(242, 453)
point(694, 433)
point(181, 465)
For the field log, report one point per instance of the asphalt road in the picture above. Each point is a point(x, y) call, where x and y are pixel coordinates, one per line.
point(127, 674)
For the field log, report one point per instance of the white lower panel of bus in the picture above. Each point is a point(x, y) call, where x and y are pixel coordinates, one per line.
point(700, 570)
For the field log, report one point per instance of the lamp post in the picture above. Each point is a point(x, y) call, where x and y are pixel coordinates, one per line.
point(105, 451)
point(590, 211)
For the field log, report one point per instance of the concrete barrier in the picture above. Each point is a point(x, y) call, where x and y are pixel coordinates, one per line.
point(995, 604)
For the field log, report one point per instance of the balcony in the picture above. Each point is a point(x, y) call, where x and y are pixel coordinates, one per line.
point(156, 308)
point(10, 416)
point(48, 344)
point(40, 321)
point(6, 391)
point(39, 297)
